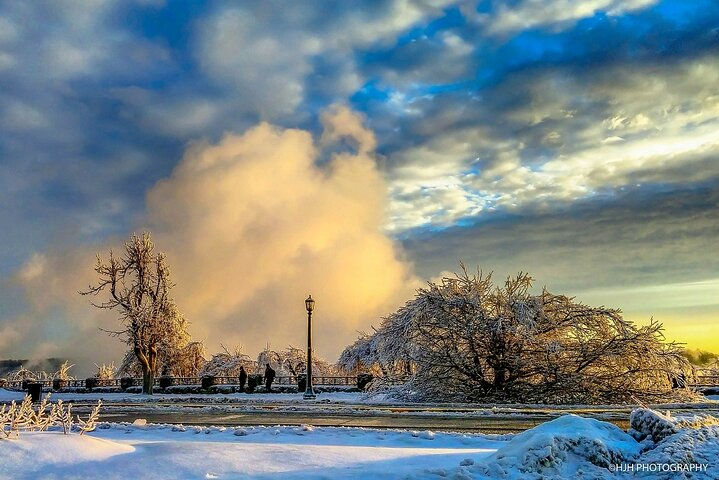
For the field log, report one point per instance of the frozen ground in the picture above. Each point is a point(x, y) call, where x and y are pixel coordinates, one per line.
point(567, 447)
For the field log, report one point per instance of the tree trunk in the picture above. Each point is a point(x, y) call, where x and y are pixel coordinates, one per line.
point(499, 377)
point(147, 373)
point(147, 381)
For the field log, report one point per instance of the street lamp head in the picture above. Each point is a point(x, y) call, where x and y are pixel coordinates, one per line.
point(310, 304)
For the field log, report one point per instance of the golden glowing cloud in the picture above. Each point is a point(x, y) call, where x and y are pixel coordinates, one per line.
point(251, 226)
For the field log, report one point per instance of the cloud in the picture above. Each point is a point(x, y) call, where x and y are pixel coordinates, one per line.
point(66, 156)
point(510, 17)
point(548, 137)
point(251, 226)
point(628, 241)
point(272, 54)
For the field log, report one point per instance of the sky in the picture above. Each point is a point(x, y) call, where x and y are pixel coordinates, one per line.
point(355, 150)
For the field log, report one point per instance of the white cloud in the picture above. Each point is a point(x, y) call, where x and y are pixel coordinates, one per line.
point(656, 124)
point(267, 52)
point(553, 14)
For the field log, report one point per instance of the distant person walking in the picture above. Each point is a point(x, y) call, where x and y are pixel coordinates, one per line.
point(243, 379)
point(269, 377)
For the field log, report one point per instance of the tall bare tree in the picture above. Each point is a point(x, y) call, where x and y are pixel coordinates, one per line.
point(138, 283)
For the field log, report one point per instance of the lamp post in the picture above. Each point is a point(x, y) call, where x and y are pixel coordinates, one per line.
point(309, 392)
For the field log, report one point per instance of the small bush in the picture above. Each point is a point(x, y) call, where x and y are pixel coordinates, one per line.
point(23, 417)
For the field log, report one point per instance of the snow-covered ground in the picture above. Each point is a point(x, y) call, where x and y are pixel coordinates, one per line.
point(567, 447)
point(174, 452)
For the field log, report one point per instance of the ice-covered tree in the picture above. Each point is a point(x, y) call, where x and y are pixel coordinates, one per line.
point(186, 361)
point(227, 363)
point(292, 362)
point(138, 284)
point(178, 357)
point(24, 374)
point(363, 357)
point(465, 338)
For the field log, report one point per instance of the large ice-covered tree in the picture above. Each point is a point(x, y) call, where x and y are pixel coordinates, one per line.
point(465, 338)
point(138, 285)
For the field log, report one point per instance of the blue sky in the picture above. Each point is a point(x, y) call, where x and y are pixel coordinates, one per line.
point(576, 140)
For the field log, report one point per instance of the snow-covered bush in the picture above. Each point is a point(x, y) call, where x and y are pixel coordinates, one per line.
point(645, 423)
point(63, 373)
point(105, 372)
point(465, 339)
point(24, 374)
point(689, 446)
point(686, 440)
point(18, 417)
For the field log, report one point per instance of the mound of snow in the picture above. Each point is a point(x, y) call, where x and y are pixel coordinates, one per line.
point(35, 451)
point(686, 440)
point(650, 424)
point(562, 448)
point(689, 446)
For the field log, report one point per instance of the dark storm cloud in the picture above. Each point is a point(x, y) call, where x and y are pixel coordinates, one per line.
point(637, 238)
point(69, 161)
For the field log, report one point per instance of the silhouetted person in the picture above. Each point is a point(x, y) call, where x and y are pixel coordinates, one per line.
point(243, 379)
point(269, 377)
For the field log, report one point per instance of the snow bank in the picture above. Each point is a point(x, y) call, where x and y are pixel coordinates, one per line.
point(122, 451)
point(686, 440)
point(566, 447)
point(42, 453)
point(688, 446)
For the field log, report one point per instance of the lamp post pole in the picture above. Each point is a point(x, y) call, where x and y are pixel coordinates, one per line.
point(309, 392)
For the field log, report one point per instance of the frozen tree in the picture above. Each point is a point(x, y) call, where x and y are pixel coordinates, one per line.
point(382, 354)
point(24, 374)
point(227, 363)
point(271, 357)
point(465, 338)
point(138, 284)
point(363, 357)
point(186, 361)
point(179, 358)
point(701, 358)
point(292, 362)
